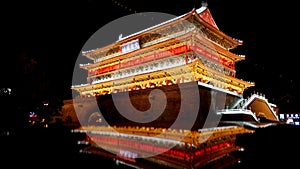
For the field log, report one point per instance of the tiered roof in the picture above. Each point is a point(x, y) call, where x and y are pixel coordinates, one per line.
point(202, 15)
point(199, 24)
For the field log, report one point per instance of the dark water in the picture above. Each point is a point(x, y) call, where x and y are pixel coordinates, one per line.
point(271, 147)
point(57, 147)
point(47, 148)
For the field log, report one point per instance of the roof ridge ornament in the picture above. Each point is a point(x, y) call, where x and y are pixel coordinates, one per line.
point(204, 3)
point(120, 36)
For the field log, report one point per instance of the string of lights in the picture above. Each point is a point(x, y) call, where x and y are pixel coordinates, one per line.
point(125, 7)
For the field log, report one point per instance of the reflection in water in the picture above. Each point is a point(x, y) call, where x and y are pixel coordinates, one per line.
point(58, 147)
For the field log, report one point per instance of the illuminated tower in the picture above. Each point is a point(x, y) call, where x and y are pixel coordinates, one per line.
point(174, 57)
point(188, 49)
point(141, 60)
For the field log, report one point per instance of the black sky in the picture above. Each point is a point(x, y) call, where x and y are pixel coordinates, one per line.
point(41, 41)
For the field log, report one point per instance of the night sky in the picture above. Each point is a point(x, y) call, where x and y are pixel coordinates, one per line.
point(41, 41)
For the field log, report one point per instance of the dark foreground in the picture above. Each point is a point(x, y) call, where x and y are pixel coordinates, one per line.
point(57, 147)
point(41, 147)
